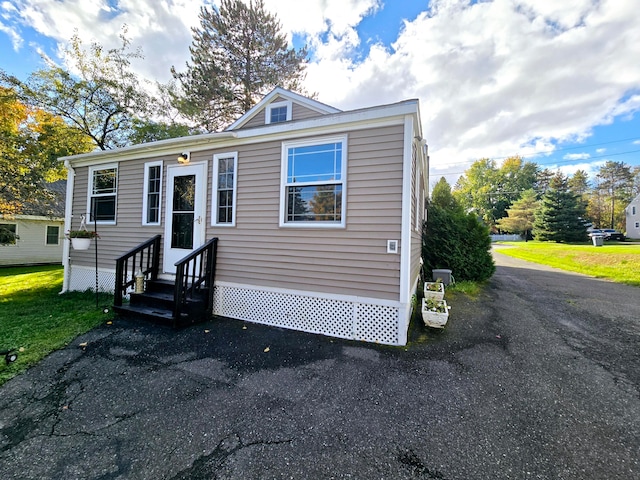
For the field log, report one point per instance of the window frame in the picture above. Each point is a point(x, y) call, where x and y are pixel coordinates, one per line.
point(46, 236)
point(272, 106)
point(215, 188)
point(90, 195)
point(145, 193)
point(286, 145)
point(16, 234)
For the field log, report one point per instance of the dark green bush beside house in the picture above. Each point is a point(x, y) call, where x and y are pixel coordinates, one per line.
point(457, 241)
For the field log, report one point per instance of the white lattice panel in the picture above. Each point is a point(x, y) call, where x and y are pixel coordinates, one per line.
point(333, 317)
point(377, 323)
point(84, 278)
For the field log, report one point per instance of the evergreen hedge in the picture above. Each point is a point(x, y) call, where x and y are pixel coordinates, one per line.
point(456, 241)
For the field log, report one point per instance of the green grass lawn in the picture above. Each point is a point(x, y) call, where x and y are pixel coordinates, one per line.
point(616, 261)
point(36, 319)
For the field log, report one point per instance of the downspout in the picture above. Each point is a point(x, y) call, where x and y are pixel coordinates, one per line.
point(71, 174)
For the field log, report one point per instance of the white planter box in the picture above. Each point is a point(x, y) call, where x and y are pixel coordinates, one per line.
point(432, 318)
point(80, 243)
point(434, 294)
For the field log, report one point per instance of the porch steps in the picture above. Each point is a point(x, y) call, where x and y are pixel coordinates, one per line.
point(156, 305)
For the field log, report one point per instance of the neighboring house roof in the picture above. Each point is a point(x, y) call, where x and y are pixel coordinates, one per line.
point(49, 204)
point(278, 93)
point(635, 201)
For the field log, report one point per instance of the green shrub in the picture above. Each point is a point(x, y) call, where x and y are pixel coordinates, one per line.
point(457, 241)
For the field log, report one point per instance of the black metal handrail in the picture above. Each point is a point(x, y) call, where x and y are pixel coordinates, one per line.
point(145, 258)
point(193, 273)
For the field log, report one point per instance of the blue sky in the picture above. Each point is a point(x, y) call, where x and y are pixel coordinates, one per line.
point(555, 82)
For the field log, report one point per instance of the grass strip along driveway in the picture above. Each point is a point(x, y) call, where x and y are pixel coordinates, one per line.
point(35, 319)
point(616, 261)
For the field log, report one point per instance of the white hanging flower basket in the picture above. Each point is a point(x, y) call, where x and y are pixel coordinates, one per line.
point(435, 313)
point(81, 243)
point(434, 290)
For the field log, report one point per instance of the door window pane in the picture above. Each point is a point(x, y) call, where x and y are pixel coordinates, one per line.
point(184, 191)
point(182, 231)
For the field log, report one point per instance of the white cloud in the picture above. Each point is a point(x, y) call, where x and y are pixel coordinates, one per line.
point(16, 39)
point(591, 168)
point(577, 156)
point(602, 150)
point(495, 78)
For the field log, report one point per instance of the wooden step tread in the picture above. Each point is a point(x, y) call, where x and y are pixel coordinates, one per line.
point(154, 312)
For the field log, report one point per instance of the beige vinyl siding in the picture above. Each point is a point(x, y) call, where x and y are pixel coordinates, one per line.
point(256, 121)
point(417, 212)
point(257, 251)
point(128, 232)
point(352, 260)
point(298, 112)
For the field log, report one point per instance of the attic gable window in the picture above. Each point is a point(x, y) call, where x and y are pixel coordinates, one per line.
point(278, 112)
point(103, 190)
point(313, 183)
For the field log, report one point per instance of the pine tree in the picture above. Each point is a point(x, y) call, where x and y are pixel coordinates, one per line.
point(521, 216)
point(238, 55)
point(559, 217)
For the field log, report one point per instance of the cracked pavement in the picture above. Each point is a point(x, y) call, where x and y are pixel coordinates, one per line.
point(538, 378)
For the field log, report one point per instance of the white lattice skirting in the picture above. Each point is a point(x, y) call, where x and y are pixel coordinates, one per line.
point(343, 316)
point(84, 278)
point(337, 316)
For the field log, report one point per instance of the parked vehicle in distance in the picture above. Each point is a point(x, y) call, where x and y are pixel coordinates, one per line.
point(607, 234)
point(610, 234)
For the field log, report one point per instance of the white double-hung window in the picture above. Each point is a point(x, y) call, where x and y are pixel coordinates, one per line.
point(313, 182)
point(152, 193)
point(225, 183)
point(103, 191)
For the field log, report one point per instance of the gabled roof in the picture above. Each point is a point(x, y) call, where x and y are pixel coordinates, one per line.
point(280, 92)
point(635, 201)
point(331, 120)
point(49, 202)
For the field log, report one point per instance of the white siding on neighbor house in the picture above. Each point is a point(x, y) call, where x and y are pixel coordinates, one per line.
point(31, 248)
point(633, 219)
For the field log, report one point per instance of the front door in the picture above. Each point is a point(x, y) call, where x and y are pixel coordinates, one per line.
point(184, 229)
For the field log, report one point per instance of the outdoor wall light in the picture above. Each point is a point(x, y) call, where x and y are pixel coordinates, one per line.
point(183, 158)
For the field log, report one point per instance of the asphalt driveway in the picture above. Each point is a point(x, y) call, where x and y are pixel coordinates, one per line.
point(537, 379)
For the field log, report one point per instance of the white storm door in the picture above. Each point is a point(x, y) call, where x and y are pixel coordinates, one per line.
point(184, 229)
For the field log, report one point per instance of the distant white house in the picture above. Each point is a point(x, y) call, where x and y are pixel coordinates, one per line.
point(633, 218)
point(37, 231)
